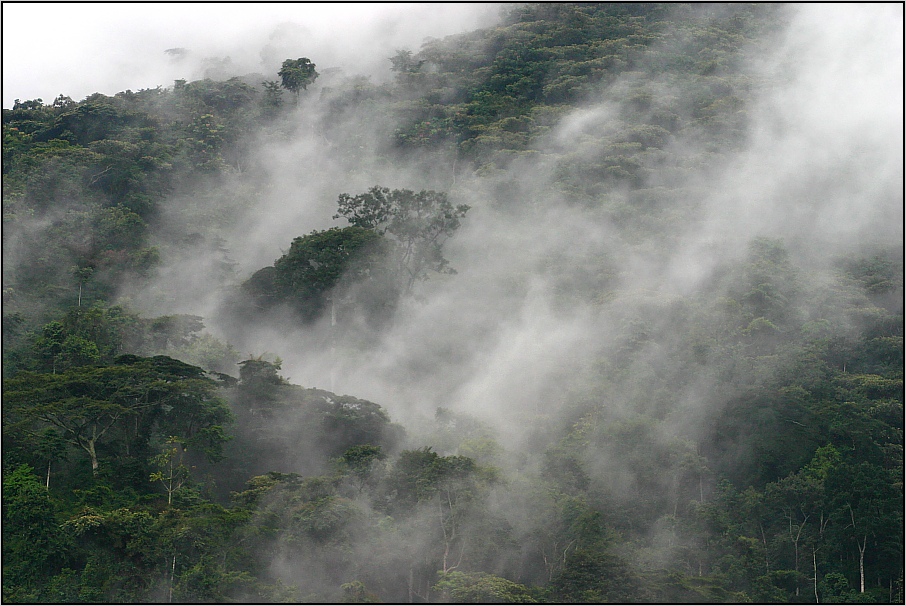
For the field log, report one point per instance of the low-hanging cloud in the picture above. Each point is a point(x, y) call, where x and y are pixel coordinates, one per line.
point(824, 176)
point(123, 45)
point(566, 307)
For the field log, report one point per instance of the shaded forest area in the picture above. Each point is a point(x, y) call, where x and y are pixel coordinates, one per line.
point(739, 441)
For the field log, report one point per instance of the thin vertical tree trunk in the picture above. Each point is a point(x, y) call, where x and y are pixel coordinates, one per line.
point(94, 457)
point(333, 341)
point(411, 580)
point(815, 569)
point(764, 542)
point(172, 576)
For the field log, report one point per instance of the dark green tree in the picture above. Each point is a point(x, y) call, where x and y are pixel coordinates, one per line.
point(273, 98)
point(259, 382)
point(868, 515)
point(317, 267)
point(403, 63)
point(297, 74)
point(360, 462)
point(32, 542)
point(481, 588)
point(596, 576)
point(123, 404)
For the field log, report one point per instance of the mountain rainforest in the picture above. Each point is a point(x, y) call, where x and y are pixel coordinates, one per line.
point(601, 302)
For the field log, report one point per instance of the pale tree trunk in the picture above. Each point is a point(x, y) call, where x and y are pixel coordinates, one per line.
point(88, 444)
point(172, 576)
point(333, 342)
point(861, 545)
point(411, 581)
point(556, 562)
point(795, 541)
point(89, 448)
point(764, 543)
point(815, 569)
point(450, 536)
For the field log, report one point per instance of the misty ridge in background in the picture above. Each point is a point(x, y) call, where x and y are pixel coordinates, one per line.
point(673, 333)
point(819, 175)
point(136, 46)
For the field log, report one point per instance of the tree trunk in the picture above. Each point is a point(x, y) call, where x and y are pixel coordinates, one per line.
point(172, 575)
point(411, 580)
point(47, 485)
point(94, 457)
point(764, 542)
point(447, 538)
point(796, 563)
point(862, 547)
point(815, 569)
point(333, 341)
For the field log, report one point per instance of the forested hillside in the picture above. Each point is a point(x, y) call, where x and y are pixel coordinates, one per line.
point(599, 303)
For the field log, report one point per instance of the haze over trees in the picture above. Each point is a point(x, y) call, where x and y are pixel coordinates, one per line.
point(595, 304)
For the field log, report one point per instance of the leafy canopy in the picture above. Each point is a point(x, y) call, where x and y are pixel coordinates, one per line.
point(418, 224)
point(297, 74)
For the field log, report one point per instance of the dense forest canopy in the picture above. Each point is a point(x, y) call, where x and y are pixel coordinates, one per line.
point(602, 302)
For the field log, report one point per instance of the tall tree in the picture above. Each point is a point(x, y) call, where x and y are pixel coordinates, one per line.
point(131, 400)
point(297, 74)
point(418, 223)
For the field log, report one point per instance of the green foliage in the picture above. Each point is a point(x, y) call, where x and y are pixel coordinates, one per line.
point(318, 268)
point(595, 577)
point(297, 74)
point(361, 458)
point(32, 544)
point(418, 475)
point(356, 593)
point(418, 224)
point(481, 588)
point(763, 457)
point(227, 98)
point(316, 430)
point(104, 408)
point(396, 238)
point(170, 470)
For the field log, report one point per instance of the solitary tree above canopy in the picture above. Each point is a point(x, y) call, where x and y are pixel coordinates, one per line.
point(417, 222)
point(297, 74)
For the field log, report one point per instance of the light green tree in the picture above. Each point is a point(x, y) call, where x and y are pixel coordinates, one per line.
point(171, 472)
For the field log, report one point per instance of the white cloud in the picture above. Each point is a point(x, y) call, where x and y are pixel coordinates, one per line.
point(78, 49)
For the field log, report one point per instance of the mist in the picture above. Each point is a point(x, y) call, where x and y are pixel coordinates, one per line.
point(572, 308)
point(822, 175)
